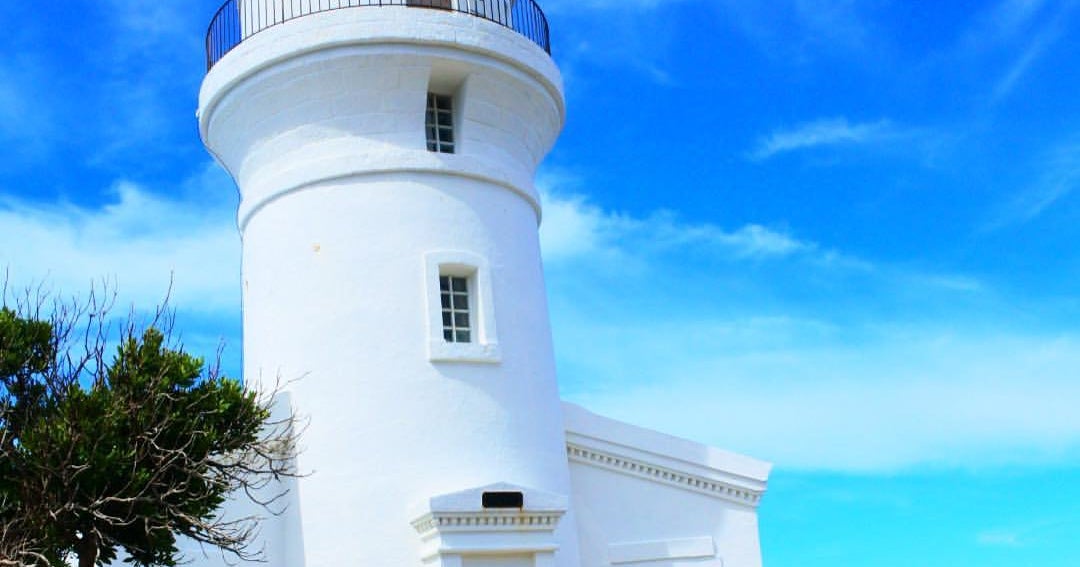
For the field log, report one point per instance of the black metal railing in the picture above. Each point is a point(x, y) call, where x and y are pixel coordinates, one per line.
point(238, 20)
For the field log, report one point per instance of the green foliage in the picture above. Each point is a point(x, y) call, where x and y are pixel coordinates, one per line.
point(121, 455)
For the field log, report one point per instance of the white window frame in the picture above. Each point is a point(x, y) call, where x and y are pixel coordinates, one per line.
point(484, 346)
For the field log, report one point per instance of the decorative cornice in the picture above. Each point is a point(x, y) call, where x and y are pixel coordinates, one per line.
point(663, 475)
point(489, 521)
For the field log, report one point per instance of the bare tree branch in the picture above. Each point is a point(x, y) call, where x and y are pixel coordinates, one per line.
point(103, 454)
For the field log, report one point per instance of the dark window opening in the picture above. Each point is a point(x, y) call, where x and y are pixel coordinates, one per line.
point(503, 500)
point(442, 4)
point(454, 294)
point(439, 123)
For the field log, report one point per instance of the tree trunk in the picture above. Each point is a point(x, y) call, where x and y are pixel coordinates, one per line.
point(88, 549)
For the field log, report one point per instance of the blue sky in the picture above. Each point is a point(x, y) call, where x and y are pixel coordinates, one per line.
point(837, 235)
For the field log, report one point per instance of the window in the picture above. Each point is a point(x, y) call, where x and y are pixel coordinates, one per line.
point(460, 310)
point(454, 293)
point(439, 123)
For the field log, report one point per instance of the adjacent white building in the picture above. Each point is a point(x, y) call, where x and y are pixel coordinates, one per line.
point(385, 154)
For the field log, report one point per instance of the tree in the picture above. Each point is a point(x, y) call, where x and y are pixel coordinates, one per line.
point(101, 455)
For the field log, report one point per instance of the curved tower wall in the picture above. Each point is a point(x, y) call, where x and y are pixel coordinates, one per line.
point(347, 220)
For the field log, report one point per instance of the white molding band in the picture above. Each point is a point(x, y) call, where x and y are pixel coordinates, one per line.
point(663, 475)
point(489, 521)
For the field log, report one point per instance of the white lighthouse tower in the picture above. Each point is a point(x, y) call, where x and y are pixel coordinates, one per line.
point(385, 152)
point(385, 157)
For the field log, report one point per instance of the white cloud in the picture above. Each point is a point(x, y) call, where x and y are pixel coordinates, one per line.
point(799, 31)
point(998, 538)
point(572, 227)
point(754, 340)
point(1030, 530)
point(836, 20)
point(824, 132)
point(1021, 32)
point(920, 398)
point(138, 240)
point(1057, 177)
point(1023, 62)
point(26, 120)
point(1002, 22)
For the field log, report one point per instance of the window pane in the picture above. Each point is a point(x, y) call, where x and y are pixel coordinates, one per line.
point(461, 320)
point(446, 319)
point(461, 301)
point(448, 335)
point(444, 283)
point(445, 301)
point(463, 337)
point(439, 123)
point(459, 284)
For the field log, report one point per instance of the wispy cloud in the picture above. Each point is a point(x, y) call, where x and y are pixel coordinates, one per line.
point(26, 120)
point(1004, 21)
point(756, 340)
point(837, 20)
point(1028, 531)
point(573, 227)
point(617, 35)
point(137, 239)
point(824, 396)
point(1032, 51)
point(800, 31)
point(1021, 33)
point(824, 132)
point(998, 538)
point(1056, 177)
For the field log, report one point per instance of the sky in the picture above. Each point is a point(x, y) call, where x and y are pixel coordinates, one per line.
point(839, 236)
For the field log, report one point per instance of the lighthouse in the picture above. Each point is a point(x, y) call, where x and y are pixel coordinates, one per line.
point(385, 152)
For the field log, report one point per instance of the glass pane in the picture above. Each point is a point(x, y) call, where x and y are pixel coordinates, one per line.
point(445, 301)
point(446, 320)
point(448, 336)
point(444, 283)
point(446, 134)
point(463, 337)
point(461, 320)
point(461, 301)
point(459, 284)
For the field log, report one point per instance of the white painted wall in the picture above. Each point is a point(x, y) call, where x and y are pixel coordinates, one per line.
point(320, 121)
point(646, 499)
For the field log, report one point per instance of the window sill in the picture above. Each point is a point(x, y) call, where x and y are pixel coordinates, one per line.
point(442, 351)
